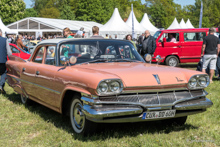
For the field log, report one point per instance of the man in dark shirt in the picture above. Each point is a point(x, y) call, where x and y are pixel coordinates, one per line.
point(217, 71)
point(210, 50)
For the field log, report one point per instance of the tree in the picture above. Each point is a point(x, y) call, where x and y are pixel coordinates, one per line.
point(67, 13)
point(11, 10)
point(162, 12)
point(31, 12)
point(51, 12)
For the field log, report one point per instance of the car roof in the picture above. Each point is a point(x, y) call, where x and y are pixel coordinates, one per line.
point(186, 30)
point(61, 40)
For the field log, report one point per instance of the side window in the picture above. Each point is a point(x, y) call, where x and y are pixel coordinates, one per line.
point(39, 55)
point(163, 36)
point(197, 36)
point(14, 50)
point(50, 58)
point(173, 37)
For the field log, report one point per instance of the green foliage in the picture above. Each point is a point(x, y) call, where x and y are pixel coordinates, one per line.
point(31, 12)
point(67, 13)
point(11, 10)
point(51, 12)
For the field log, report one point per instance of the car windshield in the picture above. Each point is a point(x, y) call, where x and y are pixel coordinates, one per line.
point(157, 34)
point(93, 51)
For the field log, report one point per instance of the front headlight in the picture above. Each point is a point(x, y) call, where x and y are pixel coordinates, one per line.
point(198, 82)
point(109, 87)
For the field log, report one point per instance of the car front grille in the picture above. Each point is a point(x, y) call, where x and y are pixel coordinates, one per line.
point(153, 98)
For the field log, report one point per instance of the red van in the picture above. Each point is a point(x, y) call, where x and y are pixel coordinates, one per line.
point(185, 49)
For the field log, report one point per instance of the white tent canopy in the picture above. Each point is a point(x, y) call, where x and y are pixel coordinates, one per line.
point(188, 24)
point(138, 28)
point(183, 24)
point(39, 25)
point(174, 25)
point(6, 30)
point(145, 22)
point(115, 26)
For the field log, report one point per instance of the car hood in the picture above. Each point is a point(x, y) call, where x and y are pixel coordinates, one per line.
point(141, 74)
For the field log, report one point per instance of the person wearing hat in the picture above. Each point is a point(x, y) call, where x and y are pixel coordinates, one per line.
point(4, 51)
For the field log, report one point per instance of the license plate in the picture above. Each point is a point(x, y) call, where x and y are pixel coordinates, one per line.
point(159, 114)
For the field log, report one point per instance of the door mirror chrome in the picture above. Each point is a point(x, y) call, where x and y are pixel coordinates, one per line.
point(73, 60)
point(158, 59)
point(64, 61)
point(148, 57)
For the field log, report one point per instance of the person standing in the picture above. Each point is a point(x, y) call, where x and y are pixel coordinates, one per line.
point(149, 44)
point(210, 49)
point(217, 71)
point(20, 43)
point(66, 48)
point(95, 32)
point(129, 37)
point(141, 39)
point(4, 51)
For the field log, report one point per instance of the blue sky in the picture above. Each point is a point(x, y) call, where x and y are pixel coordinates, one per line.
point(181, 2)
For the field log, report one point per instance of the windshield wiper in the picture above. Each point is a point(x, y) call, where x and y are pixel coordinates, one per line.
point(126, 60)
point(94, 61)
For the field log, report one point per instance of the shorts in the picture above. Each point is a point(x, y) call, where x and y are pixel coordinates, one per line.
point(212, 59)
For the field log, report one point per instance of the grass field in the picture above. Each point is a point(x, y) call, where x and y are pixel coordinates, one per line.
point(37, 125)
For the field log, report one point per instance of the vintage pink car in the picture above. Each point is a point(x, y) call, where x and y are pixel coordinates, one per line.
point(106, 81)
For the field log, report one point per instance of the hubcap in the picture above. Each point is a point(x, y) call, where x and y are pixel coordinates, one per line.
point(23, 99)
point(78, 116)
point(172, 62)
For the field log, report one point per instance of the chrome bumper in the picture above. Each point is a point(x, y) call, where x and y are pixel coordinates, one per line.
point(116, 113)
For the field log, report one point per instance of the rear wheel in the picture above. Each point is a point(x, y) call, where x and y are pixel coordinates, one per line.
point(78, 120)
point(172, 61)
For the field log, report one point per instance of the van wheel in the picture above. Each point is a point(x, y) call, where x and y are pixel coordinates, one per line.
point(172, 61)
point(78, 120)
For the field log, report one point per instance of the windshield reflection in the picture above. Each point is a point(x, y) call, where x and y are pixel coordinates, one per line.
point(93, 51)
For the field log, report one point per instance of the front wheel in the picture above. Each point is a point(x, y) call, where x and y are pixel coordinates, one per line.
point(172, 61)
point(25, 100)
point(78, 120)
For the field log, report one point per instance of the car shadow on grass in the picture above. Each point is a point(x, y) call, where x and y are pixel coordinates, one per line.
point(104, 131)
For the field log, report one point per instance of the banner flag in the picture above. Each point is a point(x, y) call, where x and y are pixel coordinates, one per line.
point(201, 13)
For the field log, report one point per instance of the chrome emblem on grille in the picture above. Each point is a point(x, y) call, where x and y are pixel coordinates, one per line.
point(157, 78)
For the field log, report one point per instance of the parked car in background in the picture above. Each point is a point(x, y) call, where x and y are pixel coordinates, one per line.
point(16, 51)
point(106, 81)
point(186, 49)
point(30, 44)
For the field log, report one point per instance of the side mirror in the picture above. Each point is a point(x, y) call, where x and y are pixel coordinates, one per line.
point(148, 57)
point(164, 39)
point(73, 60)
point(158, 59)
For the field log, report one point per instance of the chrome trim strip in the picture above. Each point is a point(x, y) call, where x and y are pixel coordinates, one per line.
point(152, 90)
point(201, 105)
point(184, 84)
point(57, 92)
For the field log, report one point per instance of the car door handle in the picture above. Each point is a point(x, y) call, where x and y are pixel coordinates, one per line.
point(179, 46)
point(23, 69)
point(37, 72)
